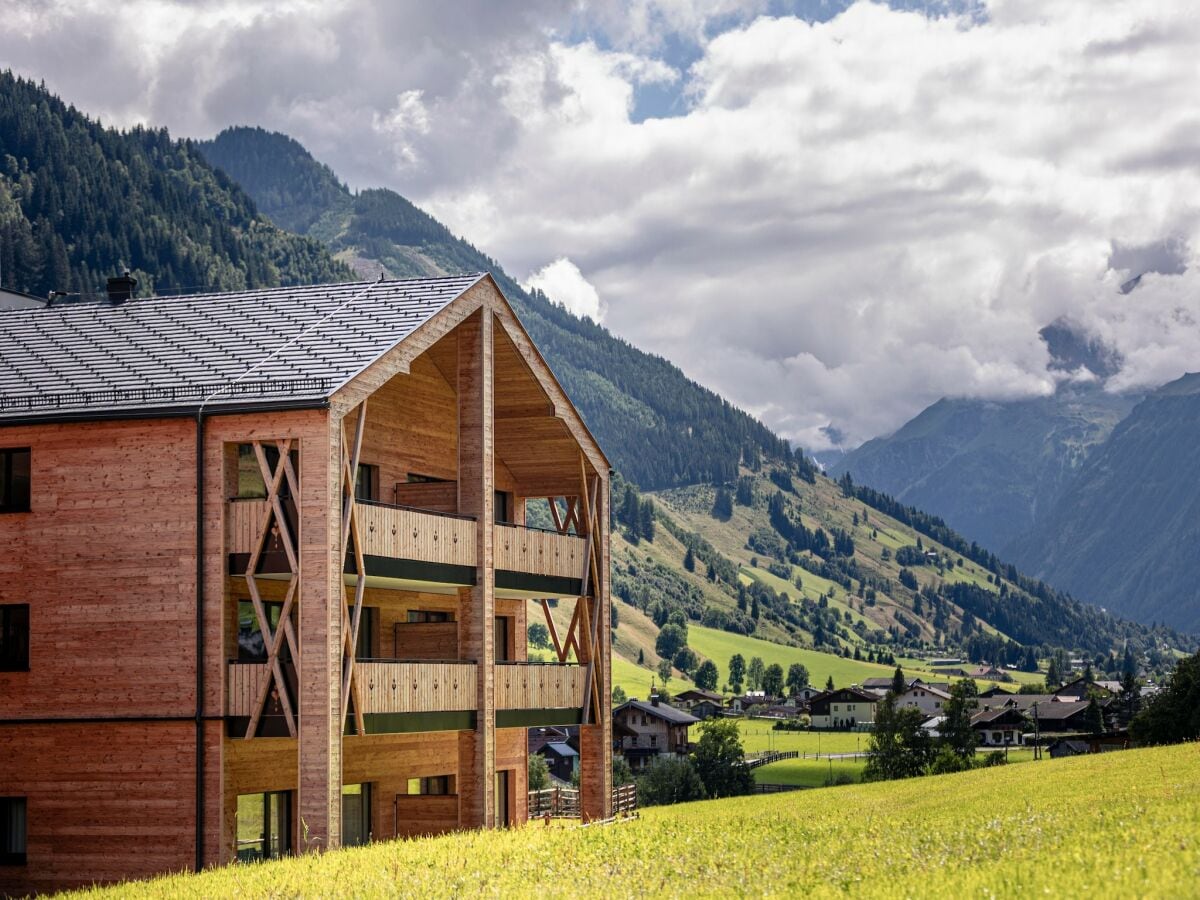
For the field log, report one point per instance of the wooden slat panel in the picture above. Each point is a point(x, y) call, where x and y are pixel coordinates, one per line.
point(401, 687)
point(245, 518)
point(408, 534)
point(539, 552)
point(245, 682)
point(539, 687)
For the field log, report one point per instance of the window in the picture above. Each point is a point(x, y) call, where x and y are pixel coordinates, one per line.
point(356, 815)
point(434, 786)
point(654, 740)
point(366, 484)
point(252, 645)
point(264, 825)
point(12, 831)
point(368, 627)
point(418, 616)
point(14, 637)
point(14, 480)
point(250, 484)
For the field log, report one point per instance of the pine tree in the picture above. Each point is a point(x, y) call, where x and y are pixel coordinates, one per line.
point(689, 560)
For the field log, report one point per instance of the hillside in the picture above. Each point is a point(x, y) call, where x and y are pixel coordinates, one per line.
point(80, 202)
point(1007, 831)
point(659, 428)
point(1124, 533)
point(842, 580)
point(989, 468)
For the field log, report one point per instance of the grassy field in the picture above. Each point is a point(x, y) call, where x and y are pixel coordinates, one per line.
point(758, 736)
point(1111, 825)
point(811, 773)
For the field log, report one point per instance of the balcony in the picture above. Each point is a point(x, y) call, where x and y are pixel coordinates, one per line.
point(422, 549)
point(404, 696)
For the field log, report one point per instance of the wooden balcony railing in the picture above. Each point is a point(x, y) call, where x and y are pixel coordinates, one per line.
point(538, 552)
point(404, 687)
point(243, 523)
point(539, 686)
point(399, 532)
point(244, 682)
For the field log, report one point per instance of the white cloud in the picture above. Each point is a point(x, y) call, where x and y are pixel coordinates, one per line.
point(849, 219)
point(563, 283)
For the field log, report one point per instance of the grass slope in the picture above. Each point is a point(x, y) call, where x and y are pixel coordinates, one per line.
point(1111, 825)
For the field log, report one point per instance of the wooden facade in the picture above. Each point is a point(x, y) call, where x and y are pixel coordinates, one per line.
point(353, 653)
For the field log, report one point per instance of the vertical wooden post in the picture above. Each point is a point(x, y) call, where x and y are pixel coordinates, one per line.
point(595, 738)
point(319, 799)
point(477, 605)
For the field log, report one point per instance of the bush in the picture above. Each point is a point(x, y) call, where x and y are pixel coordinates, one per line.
point(669, 779)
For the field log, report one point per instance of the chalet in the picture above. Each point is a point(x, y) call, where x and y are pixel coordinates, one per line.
point(929, 700)
point(561, 759)
point(707, 709)
point(1004, 727)
point(657, 729)
point(1061, 717)
point(1082, 689)
point(988, 673)
point(265, 576)
point(692, 696)
point(845, 708)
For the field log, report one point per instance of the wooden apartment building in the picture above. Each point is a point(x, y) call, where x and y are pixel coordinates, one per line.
point(265, 575)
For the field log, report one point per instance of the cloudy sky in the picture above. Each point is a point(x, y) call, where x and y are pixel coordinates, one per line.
point(832, 213)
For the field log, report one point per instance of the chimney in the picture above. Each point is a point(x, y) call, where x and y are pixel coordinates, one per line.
point(121, 287)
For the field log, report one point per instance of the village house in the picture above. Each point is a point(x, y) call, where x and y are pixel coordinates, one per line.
point(692, 696)
point(707, 709)
point(1004, 727)
point(988, 673)
point(1082, 689)
point(843, 708)
point(654, 729)
point(266, 554)
point(929, 700)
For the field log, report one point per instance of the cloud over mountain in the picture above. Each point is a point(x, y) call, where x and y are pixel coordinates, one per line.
point(845, 220)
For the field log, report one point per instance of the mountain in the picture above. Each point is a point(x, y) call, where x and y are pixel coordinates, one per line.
point(989, 468)
point(80, 202)
point(846, 571)
point(660, 428)
point(1124, 533)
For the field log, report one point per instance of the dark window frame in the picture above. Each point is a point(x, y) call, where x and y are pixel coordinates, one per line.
point(14, 618)
point(14, 847)
point(366, 483)
point(10, 500)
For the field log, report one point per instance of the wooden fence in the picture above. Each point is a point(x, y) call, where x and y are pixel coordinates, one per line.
point(770, 757)
point(243, 523)
point(563, 803)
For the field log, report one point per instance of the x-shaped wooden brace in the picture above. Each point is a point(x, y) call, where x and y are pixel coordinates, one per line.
point(275, 514)
point(351, 622)
point(583, 636)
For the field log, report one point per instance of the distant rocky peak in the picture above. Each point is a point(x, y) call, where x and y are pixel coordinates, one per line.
point(1072, 348)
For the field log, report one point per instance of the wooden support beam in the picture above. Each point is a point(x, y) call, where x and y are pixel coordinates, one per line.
point(558, 647)
point(351, 621)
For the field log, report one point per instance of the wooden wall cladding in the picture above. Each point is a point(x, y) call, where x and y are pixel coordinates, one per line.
point(104, 802)
point(387, 762)
point(408, 534)
point(539, 686)
point(391, 687)
point(538, 552)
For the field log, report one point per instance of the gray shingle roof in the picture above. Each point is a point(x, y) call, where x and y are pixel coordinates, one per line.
point(662, 710)
point(243, 348)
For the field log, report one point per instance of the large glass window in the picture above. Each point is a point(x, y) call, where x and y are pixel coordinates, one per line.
point(250, 484)
point(252, 644)
point(264, 825)
point(14, 637)
point(12, 831)
point(356, 815)
point(14, 480)
point(366, 484)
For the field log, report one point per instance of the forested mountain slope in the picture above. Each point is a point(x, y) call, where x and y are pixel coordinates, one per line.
point(989, 468)
point(1125, 533)
point(80, 202)
point(659, 428)
point(845, 570)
